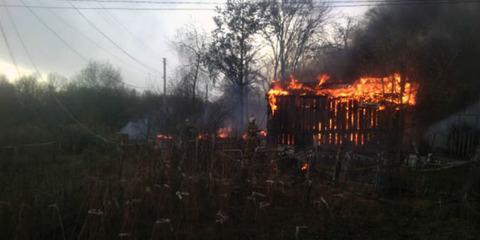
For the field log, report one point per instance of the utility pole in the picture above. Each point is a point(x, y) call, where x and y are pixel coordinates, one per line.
point(164, 85)
point(164, 76)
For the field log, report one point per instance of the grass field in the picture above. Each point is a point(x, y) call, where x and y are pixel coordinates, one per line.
point(142, 193)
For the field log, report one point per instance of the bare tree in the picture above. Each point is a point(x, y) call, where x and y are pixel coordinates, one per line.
point(99, 74)
point(233, 51)
point(290, 30)
point(343, 33)
point(191, 45)
point(57, 80)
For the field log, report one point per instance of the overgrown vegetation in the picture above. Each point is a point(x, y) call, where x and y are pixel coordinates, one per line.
point(196, 193)
point(91, 109)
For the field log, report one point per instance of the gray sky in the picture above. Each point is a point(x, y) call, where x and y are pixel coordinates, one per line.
point(145, 35)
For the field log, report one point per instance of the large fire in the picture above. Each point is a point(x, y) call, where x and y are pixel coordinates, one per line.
point(378, 90)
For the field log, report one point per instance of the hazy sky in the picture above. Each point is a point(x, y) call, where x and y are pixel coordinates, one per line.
point(145, 35)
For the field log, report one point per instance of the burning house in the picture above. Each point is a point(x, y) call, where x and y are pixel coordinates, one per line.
point(321, 113)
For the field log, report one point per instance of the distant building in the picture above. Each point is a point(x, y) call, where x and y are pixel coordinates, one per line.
point(457, 134)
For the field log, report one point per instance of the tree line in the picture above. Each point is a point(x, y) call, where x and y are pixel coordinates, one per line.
point(91, 108)
point(253, 43)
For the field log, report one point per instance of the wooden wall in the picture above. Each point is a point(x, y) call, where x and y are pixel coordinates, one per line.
point(318, 120)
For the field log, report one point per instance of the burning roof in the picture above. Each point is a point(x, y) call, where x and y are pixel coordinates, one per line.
point(324, 113)
point(378, 90)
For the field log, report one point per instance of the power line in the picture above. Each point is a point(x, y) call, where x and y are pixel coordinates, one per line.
point(354, 4)
point(15, 27)
point(134, 86)
point(53, 31)
point(406, 3)
point(79, 32)
point(132, 35)
point(57, 35)
point(9, 49)
point(75, 29)
point(223, 2)
point(26, 50)
point(70, 114)
point(118, 22)
point(31, 58)
point(60, 104)
point(113, 42)
point(148, 2)
point(65, 42)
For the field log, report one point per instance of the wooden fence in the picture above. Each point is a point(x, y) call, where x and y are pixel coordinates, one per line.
point(319, 120)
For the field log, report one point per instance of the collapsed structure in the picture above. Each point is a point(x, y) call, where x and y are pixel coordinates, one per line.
point(321, 113)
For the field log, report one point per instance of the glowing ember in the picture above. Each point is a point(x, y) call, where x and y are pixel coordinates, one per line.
point(164, 137)
point(294, 84)
point(378, 90)
point(304, 167)
point(224, 132)
point(244, 136)
point(263, 133)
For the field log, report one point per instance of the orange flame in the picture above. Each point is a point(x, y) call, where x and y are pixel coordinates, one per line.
point(224, 133)
point(294, 84)
point(379, 90)
point(322, 78)
point(304, 167)
point(263, 133)
point(276, 90)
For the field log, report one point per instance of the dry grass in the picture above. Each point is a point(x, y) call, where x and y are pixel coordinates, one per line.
point(202, 193)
